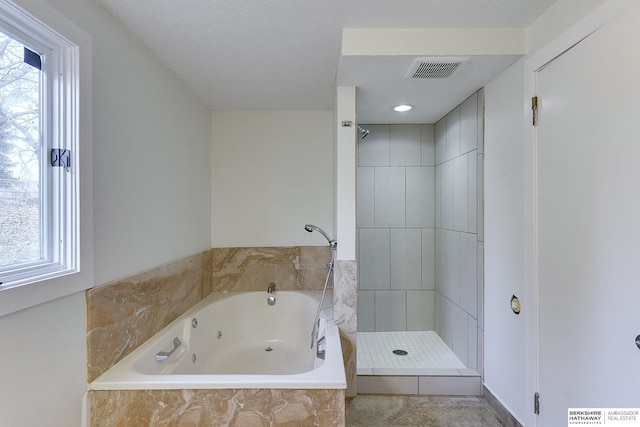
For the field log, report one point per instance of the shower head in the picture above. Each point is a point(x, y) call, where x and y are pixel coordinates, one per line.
point(363, 132)
point(311, 228)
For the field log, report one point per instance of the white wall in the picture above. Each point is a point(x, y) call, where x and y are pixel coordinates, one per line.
point(151, 204)
point(151, 151)
point(508, 359)
point(345, 172)
point(272, 173)
point(504, 359)
point(44, 364)
point(560, 16)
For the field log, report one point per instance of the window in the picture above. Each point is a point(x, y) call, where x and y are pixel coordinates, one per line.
point(21, 148)
point(39, 180)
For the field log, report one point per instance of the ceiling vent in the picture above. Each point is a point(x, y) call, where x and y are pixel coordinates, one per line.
point(435, 67)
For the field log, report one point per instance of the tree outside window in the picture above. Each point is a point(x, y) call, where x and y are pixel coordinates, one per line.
point(20, 156)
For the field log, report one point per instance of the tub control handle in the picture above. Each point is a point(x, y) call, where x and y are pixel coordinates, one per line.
point(164, 355)
point(321, 348)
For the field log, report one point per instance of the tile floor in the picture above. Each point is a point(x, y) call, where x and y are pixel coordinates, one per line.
point(422, 411)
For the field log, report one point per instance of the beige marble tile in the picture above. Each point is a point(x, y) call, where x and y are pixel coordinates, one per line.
point(252, 269)
point(345, 315)
point(123, 314)
point(250, 407)
point(313, 267)
point(349, 345)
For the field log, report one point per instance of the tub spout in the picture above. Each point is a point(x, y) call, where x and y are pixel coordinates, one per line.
point(271, 288)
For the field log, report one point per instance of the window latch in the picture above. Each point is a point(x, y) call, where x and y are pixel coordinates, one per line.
point(61, 157)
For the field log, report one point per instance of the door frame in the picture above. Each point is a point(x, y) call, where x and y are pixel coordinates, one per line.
point(532, 65)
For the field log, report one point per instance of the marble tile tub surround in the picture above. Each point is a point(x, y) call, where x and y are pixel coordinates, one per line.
point(248, 407)
point(252, 268)
point(344, 312)
point(124, 313)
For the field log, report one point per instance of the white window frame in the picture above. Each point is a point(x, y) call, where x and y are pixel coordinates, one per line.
point(66, 69)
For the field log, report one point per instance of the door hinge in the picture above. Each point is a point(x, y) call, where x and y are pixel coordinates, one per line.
point(536, 403)
point(534, 109)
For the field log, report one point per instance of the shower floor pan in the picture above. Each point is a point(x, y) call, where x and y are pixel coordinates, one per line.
point(428, 367)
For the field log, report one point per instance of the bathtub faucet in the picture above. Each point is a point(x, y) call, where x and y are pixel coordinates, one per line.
point(271, 288)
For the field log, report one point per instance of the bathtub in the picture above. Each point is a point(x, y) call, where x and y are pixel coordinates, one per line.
point(237, 341)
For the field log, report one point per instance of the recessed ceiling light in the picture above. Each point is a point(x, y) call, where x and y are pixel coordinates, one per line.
point(402, 108)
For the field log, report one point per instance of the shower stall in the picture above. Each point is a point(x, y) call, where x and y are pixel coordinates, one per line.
point(420, 251)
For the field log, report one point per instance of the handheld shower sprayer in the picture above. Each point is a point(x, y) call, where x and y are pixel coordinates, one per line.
point(333, 244)
point(311, 228)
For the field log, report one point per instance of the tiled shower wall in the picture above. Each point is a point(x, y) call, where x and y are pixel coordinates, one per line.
point(396, 235)
point(419, 219)
point(458, 235)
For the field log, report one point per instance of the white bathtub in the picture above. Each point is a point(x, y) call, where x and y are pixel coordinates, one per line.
point(238, 341)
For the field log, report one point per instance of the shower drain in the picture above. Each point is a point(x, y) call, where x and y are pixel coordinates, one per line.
point(400, 352)
point(268, 349)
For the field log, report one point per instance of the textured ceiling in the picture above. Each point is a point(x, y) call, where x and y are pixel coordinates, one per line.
point(285, 54)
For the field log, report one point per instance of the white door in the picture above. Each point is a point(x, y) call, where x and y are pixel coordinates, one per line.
point(588, 229)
